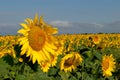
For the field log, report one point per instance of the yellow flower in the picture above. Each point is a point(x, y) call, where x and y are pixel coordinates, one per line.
point(70, 61)
point(11, 52)
point(46, 64)
point(37, 41)
point(5, 51)
point(108, 65)
point(60, 47)
point(7, 47)
point(96, 39)
point(2, 54)
point(20, 60)
point(53, 60)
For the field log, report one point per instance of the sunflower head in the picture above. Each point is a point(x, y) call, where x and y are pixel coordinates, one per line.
point(45, 66)
point(59, 47)
point(36, 38)
point(70, 61)
point(108, 65)
point(96, 39)
point(37, 41)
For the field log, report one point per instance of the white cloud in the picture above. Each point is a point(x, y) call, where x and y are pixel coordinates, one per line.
point(98, 25)
point(69, 27)
point(60, 23)
point(78, 27)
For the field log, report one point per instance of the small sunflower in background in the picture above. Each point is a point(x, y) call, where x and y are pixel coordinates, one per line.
point(2, 53)
point(46, 64)
point(70, 61)
point(7, 50)
point(108, 65)
point(60, 47)
point(37, 41)
point(96, 39)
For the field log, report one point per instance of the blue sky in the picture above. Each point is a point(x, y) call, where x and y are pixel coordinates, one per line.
point(70, 16)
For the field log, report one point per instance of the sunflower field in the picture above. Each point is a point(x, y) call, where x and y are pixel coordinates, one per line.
point(38, 52)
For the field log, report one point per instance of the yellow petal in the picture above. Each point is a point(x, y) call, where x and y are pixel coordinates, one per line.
point(22, 41)
point(22, 31)
point(28, 20)
point(36, 19)
point(50, 30)
point(24, 25)
point(22, 52)
point(25, 46)
point(47, 54)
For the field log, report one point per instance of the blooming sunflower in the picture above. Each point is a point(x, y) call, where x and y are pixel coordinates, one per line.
point(108, 65)
point(96, 39)
point(70, 61)
point(60, 47)
point(46, 64)
point(2, 54)
point(37, 41)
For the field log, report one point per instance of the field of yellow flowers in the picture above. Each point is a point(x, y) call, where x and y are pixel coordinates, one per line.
point(39, 53)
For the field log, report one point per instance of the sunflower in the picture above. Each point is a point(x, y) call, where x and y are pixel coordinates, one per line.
point(46, 64)
point(7, 50)
point(96, 39)
point(37, 41)
point(2, 54)
point(60, 47)
point(70, 61)
point(108, 65)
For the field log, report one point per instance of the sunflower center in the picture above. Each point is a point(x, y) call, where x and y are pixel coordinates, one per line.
point(96, 39)
point(105, 64)
point(69, 61)
point(36, 38)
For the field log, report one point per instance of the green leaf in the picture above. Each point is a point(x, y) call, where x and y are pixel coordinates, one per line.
point(78, 75)
point(8, 59)
point(52, 71)
point(84, 75)
point(4, 69)
point(39, 76)
point(1, 43)
point(89, 54)
point(98, 55)
point(20, 77)
point(73, 78)
point(64, 75)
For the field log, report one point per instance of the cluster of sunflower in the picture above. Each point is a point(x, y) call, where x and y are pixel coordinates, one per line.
point(100, 39)
point(7, 45)
point(71, 57)
point(90, 46)
point(40, 46)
